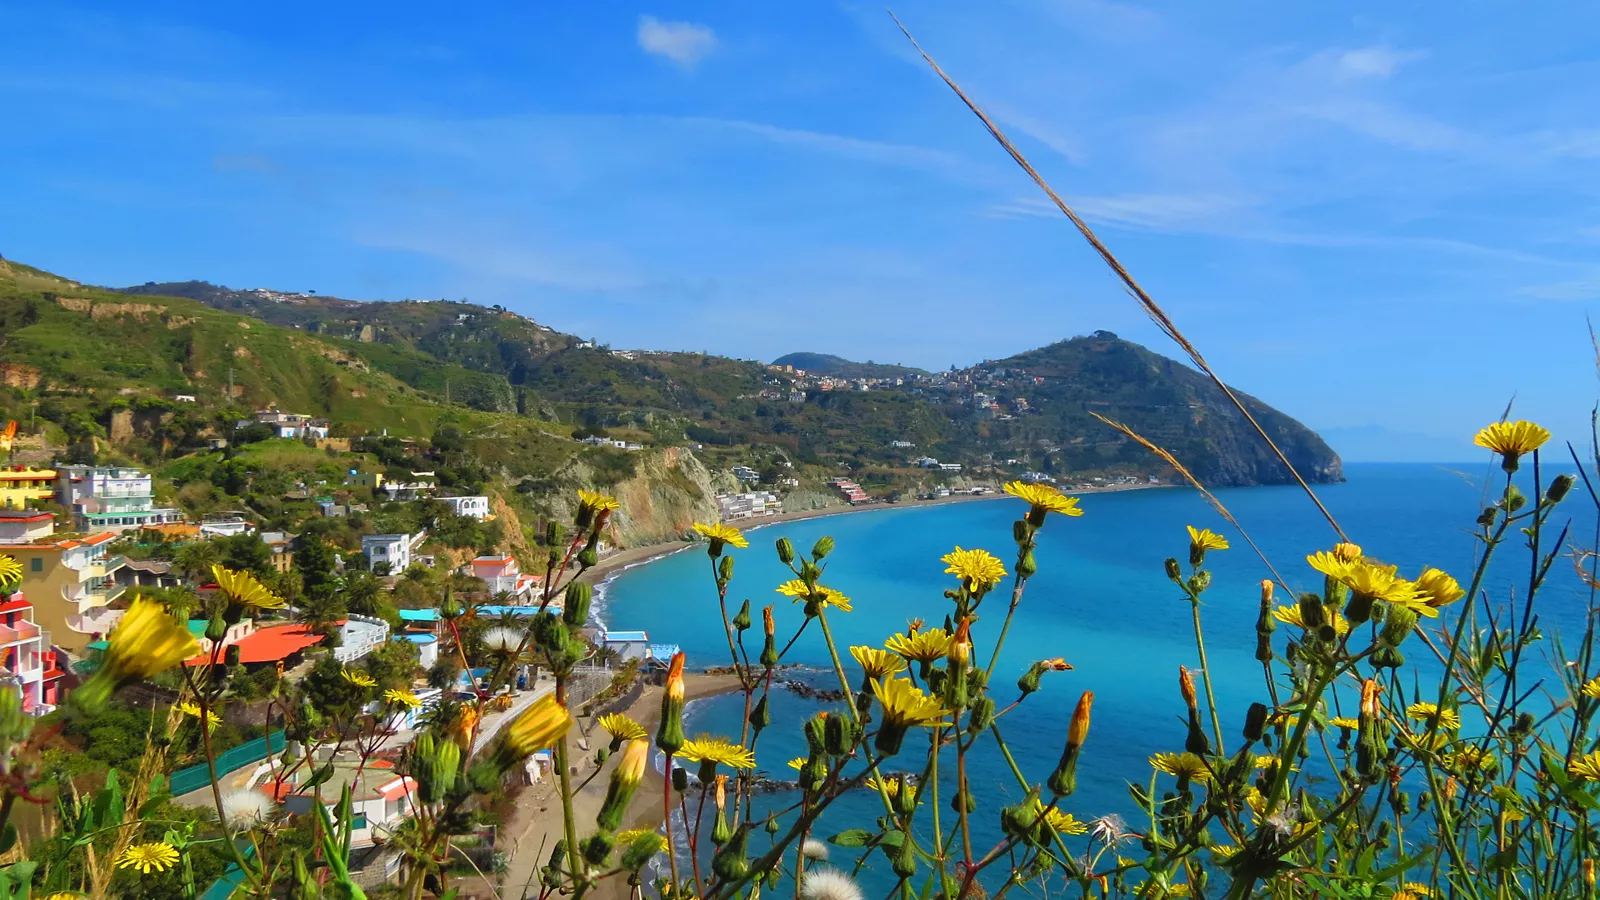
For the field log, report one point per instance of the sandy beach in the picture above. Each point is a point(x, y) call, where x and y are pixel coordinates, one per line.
point(537, 825)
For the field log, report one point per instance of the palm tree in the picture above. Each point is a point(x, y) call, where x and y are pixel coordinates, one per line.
point(195, 559)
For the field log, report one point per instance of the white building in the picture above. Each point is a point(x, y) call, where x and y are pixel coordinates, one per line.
point(926, 462)
point(225, 526)
point(379, 800)
point(110, 498)
point(502, 574)
point(290, 425)
point(750, 504)
point(393, 549)
point(474, 507)
point(358, 636)
point(27, 660)
point(627, 644)
point(949, 467)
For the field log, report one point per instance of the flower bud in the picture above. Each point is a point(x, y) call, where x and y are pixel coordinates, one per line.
point(1398, 627)
point(903, 859)
point(742, 620)
point(822, 547)
point(1020, 532)
point(1018, 821)
point(816, 731)
point(963, 799)
point(720, 832)
point(1029, 682)
point(1558, 489)
point(670, 735)
point(725, 571)
point(760, 715)
point(1255, 722)
point(772, 825)
point(785, 551)
point(1588, 872)
point(624, 780)
point(769, 650)
point(1065, 778)
point(680, 779)
point(730, 862)
point(575, 609)
point(1199, 581)
point(216, 629)
point(1186, 687)
point(588, 557)
point(1026, 567)
point(981, 715)
point(1173, 572)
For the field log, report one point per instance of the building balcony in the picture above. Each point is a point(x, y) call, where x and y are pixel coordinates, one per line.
point(15, 634)
point(99, 621)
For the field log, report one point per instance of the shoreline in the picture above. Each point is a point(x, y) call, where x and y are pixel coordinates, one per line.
point(618, 561)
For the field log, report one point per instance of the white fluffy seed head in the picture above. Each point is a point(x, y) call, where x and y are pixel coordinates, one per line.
point(815, 850)
point(502, 639)
point(243, 808)
point(829, 884)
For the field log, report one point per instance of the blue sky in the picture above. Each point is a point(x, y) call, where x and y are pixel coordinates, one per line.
point(1365, 214)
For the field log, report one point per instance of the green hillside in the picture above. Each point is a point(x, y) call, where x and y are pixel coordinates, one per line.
point(839, 367)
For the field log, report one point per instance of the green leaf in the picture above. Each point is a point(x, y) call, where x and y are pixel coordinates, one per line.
point(855, 837)
point(1400, 867)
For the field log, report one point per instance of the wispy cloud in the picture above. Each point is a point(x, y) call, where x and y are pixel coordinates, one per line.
point(1575, 291)
point(1374, 62)
point(1208, 213)
point(683, 43)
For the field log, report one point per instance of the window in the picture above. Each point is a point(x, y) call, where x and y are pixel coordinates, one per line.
point(358, 821)
point(36, 564)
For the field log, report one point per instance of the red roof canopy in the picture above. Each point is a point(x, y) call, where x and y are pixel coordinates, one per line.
point(267, 645)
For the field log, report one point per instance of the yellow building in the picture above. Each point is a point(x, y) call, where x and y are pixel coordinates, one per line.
point(20, 484)
point(69, 582)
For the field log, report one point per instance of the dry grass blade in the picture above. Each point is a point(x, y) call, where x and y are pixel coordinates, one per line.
point(1210, 497)
point(1156, 313)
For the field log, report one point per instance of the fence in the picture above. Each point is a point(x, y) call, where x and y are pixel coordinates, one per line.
point(195, 777)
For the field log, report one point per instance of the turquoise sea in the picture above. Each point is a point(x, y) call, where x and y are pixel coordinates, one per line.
point(1100, 599)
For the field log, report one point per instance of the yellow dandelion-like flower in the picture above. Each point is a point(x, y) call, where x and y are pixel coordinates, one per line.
point(824, 596)
point(244, 588)
point(905, 704)
point(1411, 596)
point(922, 646)
point(1331, 564)
point(1181, 765)
point(1437, 588)
point(1290, 615)
point(10, 570)
point(1344, 722)
point(1469, 760)
point(151, 856)
point(980, 569)
point(1347, 551)
point(1206, 539)
point(890, 784)
point(1511, 440)
point(719, 751)
point(358, 678)
point(596, 502)
point(798, 763)
point(634, 836)
point(1256, 800)
point(1586, 767)
point(1422, 711)
point(1064, 823)
point(878, 663)
point(1405, 895)
point(536, 728)
point(146, 640)
point(1421, 890)
point(192, 710)
point(398, 697)
point(1591, 688)
point(1043, 499)
point(1370, 578)
point(1263, 761)
point(719, 535)
point(622, 728)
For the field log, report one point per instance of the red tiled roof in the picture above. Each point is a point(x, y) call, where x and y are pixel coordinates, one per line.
point(397, 788)
point(267, 645)
point(17, 605)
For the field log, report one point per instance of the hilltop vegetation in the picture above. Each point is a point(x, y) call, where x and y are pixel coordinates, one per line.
point(839, 367)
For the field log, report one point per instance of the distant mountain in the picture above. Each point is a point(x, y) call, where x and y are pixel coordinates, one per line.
point(839, 367)
point(1168, 403)
point(1374, 443)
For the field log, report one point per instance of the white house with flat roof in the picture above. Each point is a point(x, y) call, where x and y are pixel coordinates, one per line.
point(475, 507)
point(393, 550)
point(628, 644)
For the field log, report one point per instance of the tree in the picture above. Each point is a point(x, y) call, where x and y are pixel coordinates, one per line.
point(246, 552)
point(314, 560)
point(196, 558)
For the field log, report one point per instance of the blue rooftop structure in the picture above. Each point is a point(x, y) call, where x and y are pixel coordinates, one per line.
point(626, 636)
point(419, 615)
point(663, 652)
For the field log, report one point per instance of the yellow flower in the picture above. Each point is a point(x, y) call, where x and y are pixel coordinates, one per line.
point(1421, 890)
point(464, 724)
point(1511, 440)
point(980, 569)
point(1470, 760)
point(1370, 578)
point(244, 588)
point(798, 763)
point(1411, 596)
point(622, 728)
point(722, 534)
point(10, 570)
point(1263, 761)
point(147, 640)
point(358, 678)
point(878, 663)
point(595, 502)
point(922, 646)
point(1043, 499)
point(1344, 722)
point(1331, 564)
point(717, 750)
point(192, 710)
point(635, 835)
point(905, 704)
point(1064, 823)
point(1290, 615)
point(537, 727)
point(1586, 767)
point(397, 697)
point(152, 856)
point(1449, 719)
point(890, 783)
point(1437, 588)
point(1347, 551)
point(1206, 539)
point(1181, 765)
point(823, 595)
point(1591, 688)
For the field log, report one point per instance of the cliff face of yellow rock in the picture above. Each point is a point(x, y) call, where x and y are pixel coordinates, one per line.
point(667, 493)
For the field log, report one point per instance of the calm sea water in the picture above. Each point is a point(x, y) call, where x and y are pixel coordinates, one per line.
point(1100, 599)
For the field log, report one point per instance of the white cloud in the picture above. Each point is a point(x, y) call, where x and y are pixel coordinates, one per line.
point(1204, 213)
point(1564, 291)
point(1372, 62)
point(682, 42)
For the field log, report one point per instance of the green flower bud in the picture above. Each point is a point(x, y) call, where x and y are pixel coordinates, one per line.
point(963, 798)
point(1359, 609)
point(772, 825)
point(587, 557)
point(725, 570)
point(816, 730)
point(742, 620)
point(637, 855)
point(216, 629)
point(597, 847)
point(981, 715)
point(1558, 489)
point(575, 609)
point(1018, 820)
point(822, 547)
point(731, 863)
point(680, 779)
point(1029, 682)
point(1399, 627)
point(1173, 572)
point(904, 858)
point(1199, 581)
point(785, 551)
point(1020, 532)
point(1026, 567)
point(760, 716)
point(1255, 721)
